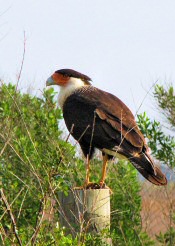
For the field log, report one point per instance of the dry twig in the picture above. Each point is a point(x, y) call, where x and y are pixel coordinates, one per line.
point(15, 230)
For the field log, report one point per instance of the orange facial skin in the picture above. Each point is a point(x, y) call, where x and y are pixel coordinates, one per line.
point(60, 79)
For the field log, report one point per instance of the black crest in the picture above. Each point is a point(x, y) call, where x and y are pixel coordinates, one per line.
point(74, 74)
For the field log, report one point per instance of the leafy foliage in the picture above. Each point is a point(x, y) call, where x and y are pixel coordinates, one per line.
point(34, 158)
point(166, 101)
point(162, 145)
point(36, 163)
point(126, 206)
point(168, 238)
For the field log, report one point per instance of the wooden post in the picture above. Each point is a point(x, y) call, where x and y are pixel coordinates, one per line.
point(85, 211)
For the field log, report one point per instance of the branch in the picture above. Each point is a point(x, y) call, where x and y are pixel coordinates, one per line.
point(4, 199)
point(22, 62)
point(38, 220)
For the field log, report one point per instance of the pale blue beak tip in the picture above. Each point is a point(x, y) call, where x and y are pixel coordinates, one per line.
point(50, 81)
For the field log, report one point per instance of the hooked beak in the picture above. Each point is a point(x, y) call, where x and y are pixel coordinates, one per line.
point(50, 81)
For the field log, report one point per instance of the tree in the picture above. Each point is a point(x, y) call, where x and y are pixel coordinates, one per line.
point(36, 163)
point(34, 160)
point(162, 144)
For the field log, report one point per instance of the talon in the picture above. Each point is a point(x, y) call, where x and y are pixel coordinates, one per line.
point(102, 185)
point(88, 186)
point(92, 186)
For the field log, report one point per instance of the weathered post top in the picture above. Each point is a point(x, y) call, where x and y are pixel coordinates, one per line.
point(86, 211)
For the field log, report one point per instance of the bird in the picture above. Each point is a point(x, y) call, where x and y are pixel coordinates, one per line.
point(99, 120)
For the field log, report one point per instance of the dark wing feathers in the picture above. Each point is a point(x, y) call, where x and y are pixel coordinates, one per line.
point(116, 114)
point(129, 133)
point(115, 125)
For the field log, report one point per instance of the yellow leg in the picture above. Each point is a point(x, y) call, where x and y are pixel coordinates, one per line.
point(105, 162)
point(87, 170)
point(87, 184)
point(90, 185)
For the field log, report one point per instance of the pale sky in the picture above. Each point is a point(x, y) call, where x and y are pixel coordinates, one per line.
point(123, 45)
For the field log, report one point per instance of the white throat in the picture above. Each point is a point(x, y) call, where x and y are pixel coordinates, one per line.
point(67, 90)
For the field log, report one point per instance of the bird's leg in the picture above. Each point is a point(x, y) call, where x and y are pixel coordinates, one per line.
point(87, 171)
point(105, 162)
point(87, 183)
point(90, 185)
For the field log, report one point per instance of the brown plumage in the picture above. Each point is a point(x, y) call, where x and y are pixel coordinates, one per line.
point(97, 119)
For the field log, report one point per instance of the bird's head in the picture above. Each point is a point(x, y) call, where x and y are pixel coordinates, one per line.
point(64, 77)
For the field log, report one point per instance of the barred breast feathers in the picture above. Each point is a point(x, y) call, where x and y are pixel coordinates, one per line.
point(75, 86)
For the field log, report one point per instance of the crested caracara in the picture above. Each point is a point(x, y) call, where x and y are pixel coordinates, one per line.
point(97, 119)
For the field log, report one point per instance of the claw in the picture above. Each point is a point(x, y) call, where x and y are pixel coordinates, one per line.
point(88, 186)
point(104, 186)
point(93, 186)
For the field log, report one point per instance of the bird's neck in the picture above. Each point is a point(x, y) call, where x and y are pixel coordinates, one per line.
point(67, 90)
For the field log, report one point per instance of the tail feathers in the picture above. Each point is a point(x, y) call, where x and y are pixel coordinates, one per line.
point(144, 164)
